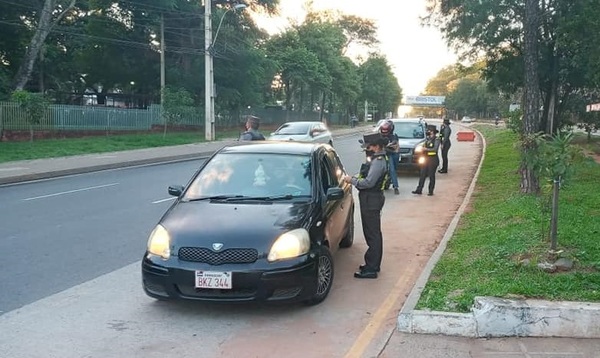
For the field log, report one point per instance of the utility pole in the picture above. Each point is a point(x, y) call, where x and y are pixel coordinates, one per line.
point(162, 62)
point(208, 73)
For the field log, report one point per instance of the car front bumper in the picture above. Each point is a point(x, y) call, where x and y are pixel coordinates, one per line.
point(291, 280)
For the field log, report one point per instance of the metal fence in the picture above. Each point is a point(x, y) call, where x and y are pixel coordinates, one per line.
point(96, 118)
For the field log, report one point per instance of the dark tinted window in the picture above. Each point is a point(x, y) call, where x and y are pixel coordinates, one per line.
point(409, 130)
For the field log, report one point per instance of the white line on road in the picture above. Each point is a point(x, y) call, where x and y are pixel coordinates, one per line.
point(163, 200)
point(71, 191)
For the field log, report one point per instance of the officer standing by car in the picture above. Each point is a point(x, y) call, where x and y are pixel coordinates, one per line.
point(370, 183)
point(252, 132)
point(430, 150)
point(445, 132)
point(392, 150)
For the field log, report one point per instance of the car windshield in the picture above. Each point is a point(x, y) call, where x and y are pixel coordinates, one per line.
point(409, 130)
point(293, 128)
point(244, 176)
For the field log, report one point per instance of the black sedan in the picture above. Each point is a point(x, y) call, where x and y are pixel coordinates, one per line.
point(257, 222)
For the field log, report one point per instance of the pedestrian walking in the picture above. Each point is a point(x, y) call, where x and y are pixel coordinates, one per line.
point(445, 132)
point(370, 184)
point(430, 150)
point(353, 121)
point(392, 151)
point(252, 133)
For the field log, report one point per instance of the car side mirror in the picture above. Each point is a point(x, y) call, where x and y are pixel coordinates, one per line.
point(175, 190)
point(335, 193)
point(361, 141)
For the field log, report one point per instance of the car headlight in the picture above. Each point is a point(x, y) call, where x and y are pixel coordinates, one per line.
point(159, 243)
point(291, 244)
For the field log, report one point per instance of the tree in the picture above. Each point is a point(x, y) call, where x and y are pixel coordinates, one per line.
point(35, 106)
point(50, 14)
point(529, 180)
point(553, 161)
point(380, 86)
point(177, 104)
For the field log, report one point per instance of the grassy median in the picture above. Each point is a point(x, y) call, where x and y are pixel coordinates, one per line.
point(51, 148)
point(63, 147)
point(499, 242)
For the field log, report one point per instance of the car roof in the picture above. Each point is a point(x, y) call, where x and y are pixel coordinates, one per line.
point(303, 122)
point(281, 147)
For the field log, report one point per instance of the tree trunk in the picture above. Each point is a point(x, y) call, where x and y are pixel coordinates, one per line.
point(529, 181)
point(554, 219)
point(44, 26)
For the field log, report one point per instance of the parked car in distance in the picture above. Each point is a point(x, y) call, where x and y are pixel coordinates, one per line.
point(306, 131)
point(411, 134)
point(259, 221)
point(467, 119)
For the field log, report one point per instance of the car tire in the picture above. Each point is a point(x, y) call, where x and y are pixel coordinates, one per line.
point(324, 277)
point(348, 239)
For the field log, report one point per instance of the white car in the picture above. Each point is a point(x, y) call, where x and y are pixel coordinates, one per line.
point(312, 132)
point(467, 119)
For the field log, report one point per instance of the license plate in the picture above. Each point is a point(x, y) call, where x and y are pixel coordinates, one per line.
point(213, 279)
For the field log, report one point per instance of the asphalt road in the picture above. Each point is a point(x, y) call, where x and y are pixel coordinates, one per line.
point(66, 231)
point(70, 279)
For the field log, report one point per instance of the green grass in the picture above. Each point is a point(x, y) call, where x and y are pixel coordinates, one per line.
point(496, 248)
point(50, 148)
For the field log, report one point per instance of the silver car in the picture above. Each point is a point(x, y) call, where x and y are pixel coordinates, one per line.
point(411, 134)
point(313, 132)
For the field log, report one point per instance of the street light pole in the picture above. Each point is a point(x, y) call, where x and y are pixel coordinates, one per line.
point(209, 91)
point(208, 73)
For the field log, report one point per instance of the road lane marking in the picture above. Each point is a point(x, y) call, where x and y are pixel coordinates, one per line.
point(162, 200)
point(70, 191)
point(368, 333)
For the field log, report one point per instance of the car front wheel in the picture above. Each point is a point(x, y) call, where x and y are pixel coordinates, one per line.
point(324, 277)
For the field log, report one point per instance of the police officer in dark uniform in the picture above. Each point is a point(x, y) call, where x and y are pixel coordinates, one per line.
point(445, 133)
point(430, 151)
point(252, 132)
point(370, 183)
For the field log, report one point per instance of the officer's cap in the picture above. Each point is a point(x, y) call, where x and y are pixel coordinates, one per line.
point(432, 128)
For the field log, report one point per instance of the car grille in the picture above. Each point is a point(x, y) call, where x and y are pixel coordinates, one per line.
point(404, 150)
point(229, 256)
point(235, 293)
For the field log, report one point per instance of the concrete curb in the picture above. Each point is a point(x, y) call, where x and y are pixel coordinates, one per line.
point(98, 167)
point(496, 317)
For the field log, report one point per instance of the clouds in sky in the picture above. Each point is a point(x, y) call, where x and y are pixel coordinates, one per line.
point(416, 53)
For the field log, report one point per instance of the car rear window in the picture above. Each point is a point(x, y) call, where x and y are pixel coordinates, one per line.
point(293, 128)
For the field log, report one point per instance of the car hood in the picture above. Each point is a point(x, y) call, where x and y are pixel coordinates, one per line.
point(410, 143)
point(240, 225)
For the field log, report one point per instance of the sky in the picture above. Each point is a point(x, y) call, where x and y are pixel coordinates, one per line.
point(414, 52)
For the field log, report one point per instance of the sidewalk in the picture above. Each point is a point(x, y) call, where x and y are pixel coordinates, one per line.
point(398, 344)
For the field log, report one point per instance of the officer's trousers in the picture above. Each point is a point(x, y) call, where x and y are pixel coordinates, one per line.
point(428, 170)
point(445, 149)
point(371, 203)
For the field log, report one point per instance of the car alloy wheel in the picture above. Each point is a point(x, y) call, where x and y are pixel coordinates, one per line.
point(324, 277)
